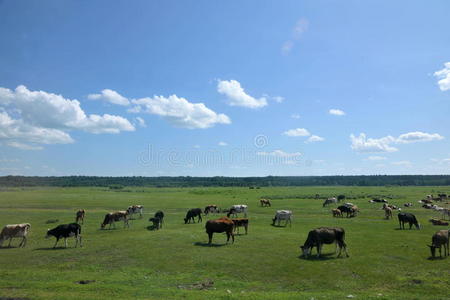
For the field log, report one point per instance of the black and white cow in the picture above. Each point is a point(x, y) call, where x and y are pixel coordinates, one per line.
point(135, 209)
point(65, 231)
point(282, 215)
point(236, 209)
point(111, 218)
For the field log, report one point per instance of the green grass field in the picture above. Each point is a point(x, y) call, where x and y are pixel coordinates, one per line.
point(136, 263)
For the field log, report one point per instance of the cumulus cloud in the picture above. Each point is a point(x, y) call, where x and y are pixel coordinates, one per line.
point(444, 77)
point(45, 118)
point(179, 111)
point(314, 138)
point(297, 132)
point(363, 144)
point(297, 32)
point(336, 112)
point(237, 96)
point(140, 122)
point(110, 96)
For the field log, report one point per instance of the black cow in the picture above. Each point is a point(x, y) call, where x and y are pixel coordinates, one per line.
point(324, 235)
point(340, 198)
point(65, 231)
point(349, 210)
point(193, 212)
point(407, 217)
point(157, 219)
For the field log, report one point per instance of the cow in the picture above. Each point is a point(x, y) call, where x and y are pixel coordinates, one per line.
point(157, 220)
point(439, 239)
point(239, 208)
point(324, 235)
point(409, 204)
point(15, 231)
point(340, 198)
point(445, 213)
point(80, 216)
point(378, 200)
point(65, 231)
point(191, 214)
point(280, 215)
point(265, 202)
point(113, 217)
point(438, 222)
point(336, 212)
point(220, 225)
point(407, 217)
point(135, 209)
point(387, 212)
point(240, 222)
point(349, 209)
point(427, 201)
point(329, 201)
point(211, 209)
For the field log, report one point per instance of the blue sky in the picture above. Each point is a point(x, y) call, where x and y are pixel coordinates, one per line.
point(237, 88)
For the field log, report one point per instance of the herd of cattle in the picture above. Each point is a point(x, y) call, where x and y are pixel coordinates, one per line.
point(232, 222)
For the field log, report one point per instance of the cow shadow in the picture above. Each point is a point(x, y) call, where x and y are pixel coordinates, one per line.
point(10, 247)
point(152, 228)
point(279, 226)
point(436, 258)
point(54, 249)
point(201, 244)
point(326, 256)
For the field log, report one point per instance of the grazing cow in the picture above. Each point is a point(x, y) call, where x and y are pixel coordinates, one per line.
point(404, 217)
point(324, 235)
point(211, 209)
point(409, 204)
point(80, 216)
point(349, 209)
point(240, 222)
point(438, 222)
point(15, 231)
point(239, 208)
point(65, 231)
point(220, 225)
point(280, 215)
point(329, 201)
point(439, 239)
point(265, 202)
point(194, 212)
point(427, 206)
point(336, 212)
point(135, 209)
point(443, 197)
point(117, 216)
point(340, 198)
point(157, 220)
point(387, 212)
point(378, 200)
point(427, 201)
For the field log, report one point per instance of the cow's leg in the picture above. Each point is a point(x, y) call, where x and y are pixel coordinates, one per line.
point(246, 228)
point(54, 246)
point(10, 240)
point(65, 242)
point(200, 217)
point(232, 237)
point(210, 236)
point(319, 250)
point(21, 242)
point(345, 248)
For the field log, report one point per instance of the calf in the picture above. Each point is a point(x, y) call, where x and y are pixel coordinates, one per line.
point(15, 231)
point(439, 239)
point(280, 215)
point(111, 218)
point(211, 209)
point(324, 235)
point(265, 202)
point(220, 225)
point(407, 217)
point(191, 214)
point(240, 222)
point(65, 231)
point(135, 209)
point(336, 212)
point(80, 216)
point(438, 222)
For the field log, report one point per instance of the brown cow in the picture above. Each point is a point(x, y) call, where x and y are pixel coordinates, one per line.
point(220, 225)
point(211, 209)
point(15, 230)
point(439, 239)
point(240, 222)
point(265, 202)
point(80, 216)
point(336, 212)
point(439, 222)
point(387, 212)
point(110, 218)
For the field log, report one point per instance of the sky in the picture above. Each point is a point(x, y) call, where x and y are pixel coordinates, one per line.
point(229, 88)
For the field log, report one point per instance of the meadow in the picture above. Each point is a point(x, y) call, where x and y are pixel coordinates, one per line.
point(176, 262)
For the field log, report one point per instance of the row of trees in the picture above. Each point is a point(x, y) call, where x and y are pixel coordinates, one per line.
point(187, 181)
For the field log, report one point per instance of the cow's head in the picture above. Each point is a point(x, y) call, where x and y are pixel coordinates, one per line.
point(102, 226)
point(47, 235)
point(305, 250)
point(433, 250)
point(185, 220)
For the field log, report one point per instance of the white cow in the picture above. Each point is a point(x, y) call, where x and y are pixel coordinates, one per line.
point(285, 215)
point(14, 231)
point(135, 209)
point(239, 208)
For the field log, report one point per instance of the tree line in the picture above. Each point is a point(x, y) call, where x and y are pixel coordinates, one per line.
point(251, 182)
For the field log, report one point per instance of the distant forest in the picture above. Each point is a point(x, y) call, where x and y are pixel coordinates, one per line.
point(251, 182)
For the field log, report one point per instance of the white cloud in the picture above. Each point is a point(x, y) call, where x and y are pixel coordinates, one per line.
point(314, 138)
point(110, 96)
point(297, 132)
point(336, 112)
point(222, 144)
point(140, 122)
point(44, 118)
point(366, 145)
point(444, 76)
point(418, 136)
point(279, 153)
point(237, 96)
point(278, 99)
point(180, 112)
point(299, 29)
point(295, 116)
point(376, 158)
point(403, 163)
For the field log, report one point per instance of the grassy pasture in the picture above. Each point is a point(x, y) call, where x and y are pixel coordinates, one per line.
point(384, 262)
